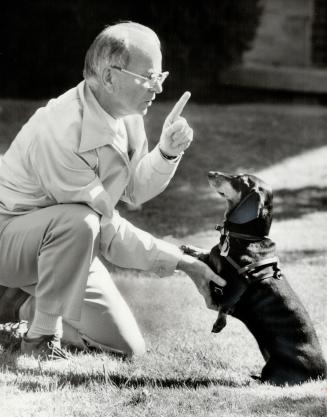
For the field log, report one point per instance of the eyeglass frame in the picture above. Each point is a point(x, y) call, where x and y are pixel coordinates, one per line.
point(148, 78)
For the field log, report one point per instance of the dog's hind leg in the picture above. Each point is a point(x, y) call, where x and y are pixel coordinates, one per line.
point(280, 374)
point(221, 321)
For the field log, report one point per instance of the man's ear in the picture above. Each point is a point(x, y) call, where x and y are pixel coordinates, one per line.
point(107, 79)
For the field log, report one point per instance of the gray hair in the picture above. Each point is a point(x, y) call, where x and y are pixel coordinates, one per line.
point(111, 47)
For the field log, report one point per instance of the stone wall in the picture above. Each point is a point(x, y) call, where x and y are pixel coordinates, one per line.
point(284, 34)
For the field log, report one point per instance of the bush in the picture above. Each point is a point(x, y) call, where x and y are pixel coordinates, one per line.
point(44, 41)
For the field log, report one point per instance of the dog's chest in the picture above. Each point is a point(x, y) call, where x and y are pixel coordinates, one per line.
point(235, 286)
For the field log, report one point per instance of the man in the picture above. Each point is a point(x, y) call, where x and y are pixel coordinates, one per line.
point(60, 181)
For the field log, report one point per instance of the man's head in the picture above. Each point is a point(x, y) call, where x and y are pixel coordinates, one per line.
point(118, 68)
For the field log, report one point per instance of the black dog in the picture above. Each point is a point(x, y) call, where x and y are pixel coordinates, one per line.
point(256, 291)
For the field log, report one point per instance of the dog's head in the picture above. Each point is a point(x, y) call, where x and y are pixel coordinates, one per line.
point(249, 202)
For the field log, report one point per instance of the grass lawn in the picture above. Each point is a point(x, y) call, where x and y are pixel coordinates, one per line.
point(188, 371)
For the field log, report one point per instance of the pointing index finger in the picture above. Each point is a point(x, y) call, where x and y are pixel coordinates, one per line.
point(179, 107)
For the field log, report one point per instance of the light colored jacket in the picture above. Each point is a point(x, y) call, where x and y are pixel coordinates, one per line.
point(69, 152)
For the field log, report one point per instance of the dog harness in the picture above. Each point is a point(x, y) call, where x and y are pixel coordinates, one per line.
point(249, 272)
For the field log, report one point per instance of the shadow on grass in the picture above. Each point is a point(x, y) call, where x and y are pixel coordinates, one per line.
point(299, 202)
point(31, 380)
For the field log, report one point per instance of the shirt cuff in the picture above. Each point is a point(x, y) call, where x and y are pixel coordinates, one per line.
point(168, 257)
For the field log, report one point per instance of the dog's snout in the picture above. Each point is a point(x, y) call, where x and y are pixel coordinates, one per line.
point(213, 174)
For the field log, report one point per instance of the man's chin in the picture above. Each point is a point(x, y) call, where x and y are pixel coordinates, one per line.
point(144, 112)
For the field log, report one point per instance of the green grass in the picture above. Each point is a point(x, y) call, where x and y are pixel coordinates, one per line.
point(188, 371)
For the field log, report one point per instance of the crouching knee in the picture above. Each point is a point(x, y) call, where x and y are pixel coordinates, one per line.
point(85, 224)
point(137, 348)
point(80, 226)
point(129, 349)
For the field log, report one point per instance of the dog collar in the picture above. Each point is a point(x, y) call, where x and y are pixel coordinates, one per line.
point(223, 231)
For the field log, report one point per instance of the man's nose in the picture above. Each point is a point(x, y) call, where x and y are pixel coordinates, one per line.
point(157, 87)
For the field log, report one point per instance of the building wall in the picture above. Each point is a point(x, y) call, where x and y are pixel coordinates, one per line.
point(284, 34)
point(319, 34)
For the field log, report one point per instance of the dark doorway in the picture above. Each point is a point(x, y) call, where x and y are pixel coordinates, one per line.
point(319, 34)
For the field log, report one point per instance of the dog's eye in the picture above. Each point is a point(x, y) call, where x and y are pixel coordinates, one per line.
point(222, 194)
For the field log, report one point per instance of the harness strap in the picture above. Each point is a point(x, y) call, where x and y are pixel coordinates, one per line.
point(246, 237)
point(245, 270)
point(221, 229)
point(252, 267)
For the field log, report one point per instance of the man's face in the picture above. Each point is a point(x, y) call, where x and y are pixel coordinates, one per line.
point(132, 94)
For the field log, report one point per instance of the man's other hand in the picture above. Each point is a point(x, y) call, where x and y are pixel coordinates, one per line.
point(201, 275)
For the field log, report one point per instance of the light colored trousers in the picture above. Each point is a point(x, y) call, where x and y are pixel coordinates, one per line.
point(52, 254)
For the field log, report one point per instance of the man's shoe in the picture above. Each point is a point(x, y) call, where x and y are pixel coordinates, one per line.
point(11, 300)
point(11, 335)
point(45, 347)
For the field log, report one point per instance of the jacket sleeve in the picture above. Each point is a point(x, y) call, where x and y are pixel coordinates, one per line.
point(66, 178)
point(151, 173)
point(127, 246)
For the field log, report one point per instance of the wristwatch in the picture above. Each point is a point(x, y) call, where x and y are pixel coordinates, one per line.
point(171, 158)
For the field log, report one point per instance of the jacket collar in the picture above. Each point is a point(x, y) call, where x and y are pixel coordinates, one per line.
point(98, 127)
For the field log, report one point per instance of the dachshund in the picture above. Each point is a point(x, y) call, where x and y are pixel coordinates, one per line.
point(257, 293)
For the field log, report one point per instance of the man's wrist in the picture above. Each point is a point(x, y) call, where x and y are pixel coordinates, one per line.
point(186, 263)
point(171, 158)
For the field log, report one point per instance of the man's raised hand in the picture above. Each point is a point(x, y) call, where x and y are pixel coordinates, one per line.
point(176, 134)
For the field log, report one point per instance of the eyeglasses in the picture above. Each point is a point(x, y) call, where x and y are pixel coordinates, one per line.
point(152, 79)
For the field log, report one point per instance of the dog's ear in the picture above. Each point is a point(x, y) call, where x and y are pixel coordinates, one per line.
point(247, 210)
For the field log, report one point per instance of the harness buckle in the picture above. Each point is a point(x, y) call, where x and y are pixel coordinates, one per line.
point(217, 290)
point(277, 273)
point(219, 227)
point(246, 276)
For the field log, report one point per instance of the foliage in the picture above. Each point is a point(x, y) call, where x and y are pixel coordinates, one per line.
point(44, 41)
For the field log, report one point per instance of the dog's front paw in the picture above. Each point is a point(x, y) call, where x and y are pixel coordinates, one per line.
point(220, 323)
point(190, 250)
point(194, 251)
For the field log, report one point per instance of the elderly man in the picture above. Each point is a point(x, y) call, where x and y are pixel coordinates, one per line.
point(60, 181)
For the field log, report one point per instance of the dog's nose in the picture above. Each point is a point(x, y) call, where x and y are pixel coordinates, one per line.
point(213, 174)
